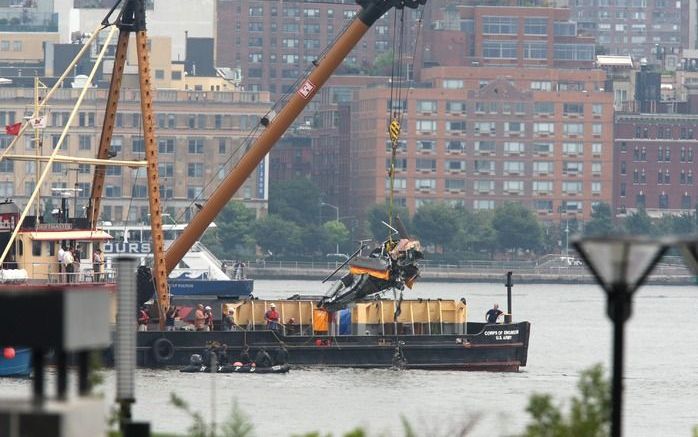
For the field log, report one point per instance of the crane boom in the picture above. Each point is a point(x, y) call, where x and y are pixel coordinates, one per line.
point(371, 11)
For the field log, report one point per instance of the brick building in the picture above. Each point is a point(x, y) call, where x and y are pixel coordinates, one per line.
point(504, 36)
point(654, 164)
point(274, 42)
point(196, 132)
point(478, 136)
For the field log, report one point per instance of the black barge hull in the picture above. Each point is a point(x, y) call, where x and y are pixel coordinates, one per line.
point(489, 347)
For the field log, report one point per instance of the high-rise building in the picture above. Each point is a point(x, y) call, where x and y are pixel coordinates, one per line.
point(652, 29)
point(461, 35)
point(274, 42)
point(481, 136)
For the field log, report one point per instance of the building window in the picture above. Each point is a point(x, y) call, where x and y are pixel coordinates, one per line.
point(427, 106)
point(499, 49)
point(452, 84)
point(596, 187)
point(542, 167)
point(573, 52)
point(572, 166)
point(485, 146)
point(513, 186)
point(514, 147)
point(513, 167)
point(426, 126)
point(194, 191)
point(544, 128)
point(426, 165)
point(425, 184)
point(456, 107)
point(139, 191)
point(597, 109)
point(454, 165)
point(455, 184)
point(455, 146)
point(138, 145)
point(663, 201)
point(455, 126)
point(622, 189)
point(596, 148)
point(571, 187)
point(542, 187)
point(640, 200)
point(686, 201)
point(166, 145)
point(536, 26)
point(166, 169)
point(85, 142)
point(425, 145)
point(573, 128)
point(541, 85)
point(573, 109)
point(543, 148)
point(484, 166)
point(573, 148)
point(482, 186)
point(159, 74)
point(196, 145)
point(195, 169)
point(500, 25)
point(485, 127)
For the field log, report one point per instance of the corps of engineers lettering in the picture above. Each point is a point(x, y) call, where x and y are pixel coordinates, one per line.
point(135, 248)
point(502, 334)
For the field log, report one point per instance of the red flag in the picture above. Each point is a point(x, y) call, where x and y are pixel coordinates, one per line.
point(13, 129)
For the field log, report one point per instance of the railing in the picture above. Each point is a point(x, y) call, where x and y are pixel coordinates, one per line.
point(51, 274)
point(464, 269)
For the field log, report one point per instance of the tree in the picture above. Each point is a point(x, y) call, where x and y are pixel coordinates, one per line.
point(516, 227)
point(475, 234)
point(378, 213)
point(436, 223)
point(297, 200)
point(278, 236)
point(589, 416)
point(233, 236)
point(337, 233)
point(601, 222)
point(638, 223)
point(382, 65)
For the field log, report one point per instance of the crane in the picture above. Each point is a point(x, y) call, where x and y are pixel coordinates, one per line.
point(133, 20)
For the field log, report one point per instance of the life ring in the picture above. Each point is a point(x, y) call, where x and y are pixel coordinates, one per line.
point(163, 350)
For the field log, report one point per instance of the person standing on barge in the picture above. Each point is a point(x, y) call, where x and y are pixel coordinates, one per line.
point(493, 314)
point(272, 318)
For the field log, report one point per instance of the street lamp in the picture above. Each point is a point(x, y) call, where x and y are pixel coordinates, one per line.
point(336, 210)
point(620, 265)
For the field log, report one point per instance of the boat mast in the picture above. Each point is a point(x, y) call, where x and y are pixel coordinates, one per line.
point(371, 11)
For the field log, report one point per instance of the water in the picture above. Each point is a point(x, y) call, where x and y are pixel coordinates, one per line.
point(570, 332)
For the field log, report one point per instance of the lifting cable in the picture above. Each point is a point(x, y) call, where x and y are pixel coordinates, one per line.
point(396, 113)
point(397, 83)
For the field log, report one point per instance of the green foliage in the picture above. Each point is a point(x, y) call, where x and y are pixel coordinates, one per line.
point(589, 415)
point(638, 223)
point(277, 235)
point(297, 200)
point(338, 233)
point(516, 227)
point(436, 224)
point(378, 213)
point(237, 424)
point(601, 222)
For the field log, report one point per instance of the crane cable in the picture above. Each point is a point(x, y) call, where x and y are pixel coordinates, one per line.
point(396, 113)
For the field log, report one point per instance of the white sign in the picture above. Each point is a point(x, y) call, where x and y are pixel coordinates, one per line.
point(38, 122)
point(306, 90)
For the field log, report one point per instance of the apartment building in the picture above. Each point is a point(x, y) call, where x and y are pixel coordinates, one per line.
point(200, 136)
point(274, 42)
point(481, 136)
point(639, 28)
point(654, 163)
point(463, 35)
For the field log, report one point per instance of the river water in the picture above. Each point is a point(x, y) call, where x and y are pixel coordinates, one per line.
point(570, 332)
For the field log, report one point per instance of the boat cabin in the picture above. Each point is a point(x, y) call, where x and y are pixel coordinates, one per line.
point(36, 251)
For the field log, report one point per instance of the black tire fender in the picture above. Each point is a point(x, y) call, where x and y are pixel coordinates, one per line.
point(163, 350)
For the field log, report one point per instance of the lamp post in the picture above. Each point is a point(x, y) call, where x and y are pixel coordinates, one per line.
point(336, 210)
point(620, 265)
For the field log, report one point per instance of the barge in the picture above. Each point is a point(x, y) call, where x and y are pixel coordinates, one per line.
point(428, 334)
